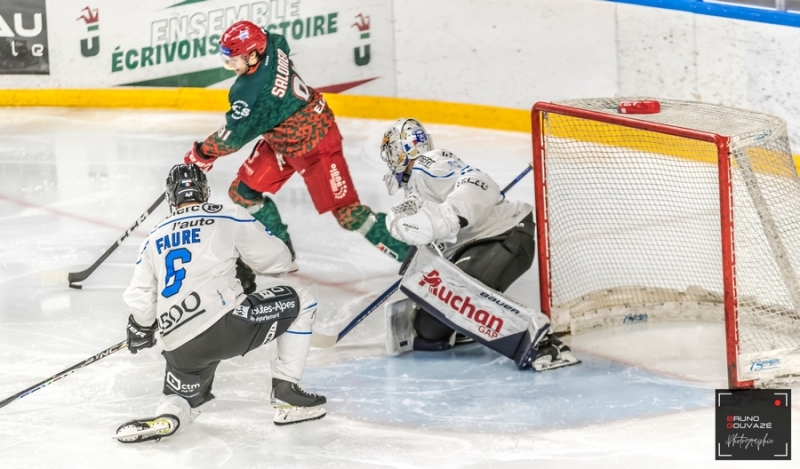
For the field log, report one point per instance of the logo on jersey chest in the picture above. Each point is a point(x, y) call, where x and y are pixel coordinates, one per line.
point(240, 109)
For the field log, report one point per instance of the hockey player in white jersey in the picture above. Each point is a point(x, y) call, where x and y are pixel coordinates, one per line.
point(185, 287)
point(462, 212)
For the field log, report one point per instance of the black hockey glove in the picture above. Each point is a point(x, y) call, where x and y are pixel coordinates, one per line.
point(140, 337)
point(246, 277)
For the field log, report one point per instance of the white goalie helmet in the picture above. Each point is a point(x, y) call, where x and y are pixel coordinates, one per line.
point(403, 142)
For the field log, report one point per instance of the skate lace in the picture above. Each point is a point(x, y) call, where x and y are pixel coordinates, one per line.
point(296, 387)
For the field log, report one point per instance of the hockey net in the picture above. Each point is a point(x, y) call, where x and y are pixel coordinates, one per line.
point(692, 213)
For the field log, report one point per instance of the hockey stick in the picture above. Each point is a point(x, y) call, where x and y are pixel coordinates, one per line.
point(68, 371)
point(517, 179)
point(325, 341)
point(74, 277)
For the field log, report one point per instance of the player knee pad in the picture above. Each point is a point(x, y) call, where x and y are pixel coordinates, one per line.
point(242, 195)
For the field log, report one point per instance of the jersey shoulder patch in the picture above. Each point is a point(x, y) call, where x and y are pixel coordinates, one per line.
point(211, 208)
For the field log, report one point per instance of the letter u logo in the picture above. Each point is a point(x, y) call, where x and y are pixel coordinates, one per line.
point(90, 51)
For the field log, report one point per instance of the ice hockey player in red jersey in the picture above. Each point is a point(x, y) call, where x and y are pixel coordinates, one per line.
point(185, 288)
point(462, 211)
point(299, 135)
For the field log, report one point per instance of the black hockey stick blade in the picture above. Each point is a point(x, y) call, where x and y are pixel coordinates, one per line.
point(75, 277)
point(68, 371)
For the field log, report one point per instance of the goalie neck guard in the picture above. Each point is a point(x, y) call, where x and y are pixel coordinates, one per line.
point(187, 183)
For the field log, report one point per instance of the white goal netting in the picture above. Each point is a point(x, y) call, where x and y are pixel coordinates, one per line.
point(636, 225)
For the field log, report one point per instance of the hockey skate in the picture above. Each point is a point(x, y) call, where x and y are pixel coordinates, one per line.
point(462, 339)
point(552, 353)
point(293, 405)
point(137, 431)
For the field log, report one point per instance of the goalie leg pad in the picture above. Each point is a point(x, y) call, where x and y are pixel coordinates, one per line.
point(401, 320)
point(400, 327)
point(466, 305)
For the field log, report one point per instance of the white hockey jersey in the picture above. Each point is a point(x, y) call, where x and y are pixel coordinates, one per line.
point(441, 177)
point(185, 277)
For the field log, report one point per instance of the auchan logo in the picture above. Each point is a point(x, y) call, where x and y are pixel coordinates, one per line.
point(490, 325)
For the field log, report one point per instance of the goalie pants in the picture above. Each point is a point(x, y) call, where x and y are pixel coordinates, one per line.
point(496, 262)
point(191, 367)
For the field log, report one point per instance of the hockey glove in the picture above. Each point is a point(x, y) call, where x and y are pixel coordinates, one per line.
point(140, 337)
point(246, 277)
point(194, 156)
point(418, 222)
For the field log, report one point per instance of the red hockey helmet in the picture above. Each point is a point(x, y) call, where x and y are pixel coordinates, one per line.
point(242, 37)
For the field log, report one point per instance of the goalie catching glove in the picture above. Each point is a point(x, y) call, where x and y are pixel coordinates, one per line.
point(419, 222)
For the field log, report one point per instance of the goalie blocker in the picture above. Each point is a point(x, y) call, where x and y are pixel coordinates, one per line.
point(466, 305)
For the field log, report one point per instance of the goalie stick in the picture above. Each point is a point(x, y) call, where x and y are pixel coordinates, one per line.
point(68, 371)
point(74, 277)
point(325, 341)
point(517, 179)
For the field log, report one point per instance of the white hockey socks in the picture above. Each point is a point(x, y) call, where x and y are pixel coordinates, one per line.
point(293, 344)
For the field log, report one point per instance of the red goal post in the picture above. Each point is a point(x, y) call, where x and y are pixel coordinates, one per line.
point(624, 207)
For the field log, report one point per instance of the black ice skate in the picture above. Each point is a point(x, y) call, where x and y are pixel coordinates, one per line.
point(552, 353)
point(293, 404)
point(137, 431)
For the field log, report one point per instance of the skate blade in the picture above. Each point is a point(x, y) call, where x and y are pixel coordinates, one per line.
point(289, 415)
point(551, 365)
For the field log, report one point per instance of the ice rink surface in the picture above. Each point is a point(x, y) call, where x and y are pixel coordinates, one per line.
point(72, 181)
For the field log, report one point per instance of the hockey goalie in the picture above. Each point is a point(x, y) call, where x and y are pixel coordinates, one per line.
point(481, 243)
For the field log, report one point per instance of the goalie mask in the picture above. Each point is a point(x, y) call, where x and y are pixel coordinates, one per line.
point(187, 183)
point(405, 141)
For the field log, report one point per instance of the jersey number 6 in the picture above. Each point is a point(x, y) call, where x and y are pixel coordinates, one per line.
point(174, 278)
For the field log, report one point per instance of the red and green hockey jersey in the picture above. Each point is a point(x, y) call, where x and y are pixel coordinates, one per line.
point(274, 102)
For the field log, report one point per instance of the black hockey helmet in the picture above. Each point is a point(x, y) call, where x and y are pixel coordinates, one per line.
point(187, 183)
